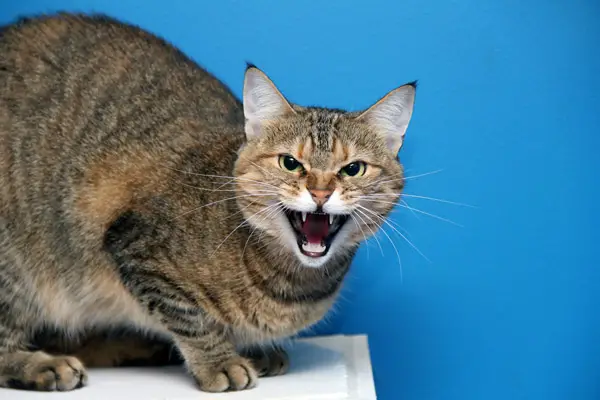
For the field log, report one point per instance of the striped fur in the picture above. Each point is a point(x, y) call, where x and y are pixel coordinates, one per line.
point(111, 144)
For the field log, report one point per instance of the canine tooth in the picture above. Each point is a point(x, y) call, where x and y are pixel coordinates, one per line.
point(303, 217)
point(330, 219)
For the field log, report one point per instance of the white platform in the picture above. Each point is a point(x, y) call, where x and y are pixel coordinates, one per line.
point(331, 368)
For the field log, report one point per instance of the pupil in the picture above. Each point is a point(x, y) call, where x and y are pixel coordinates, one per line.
point(290, 163)
point(352, 169)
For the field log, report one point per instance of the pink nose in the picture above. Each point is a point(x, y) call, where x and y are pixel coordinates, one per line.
point(320, 196)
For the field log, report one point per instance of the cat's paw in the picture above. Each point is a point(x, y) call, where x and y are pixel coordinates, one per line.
point(237, 373)
point(271, 362)
point(51, 373)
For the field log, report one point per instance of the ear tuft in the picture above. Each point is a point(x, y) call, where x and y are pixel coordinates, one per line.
point(262, 102)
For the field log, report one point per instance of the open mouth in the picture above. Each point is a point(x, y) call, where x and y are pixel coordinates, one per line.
point(315, 231)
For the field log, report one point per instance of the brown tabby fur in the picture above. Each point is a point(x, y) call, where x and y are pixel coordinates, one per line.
point(112, 146)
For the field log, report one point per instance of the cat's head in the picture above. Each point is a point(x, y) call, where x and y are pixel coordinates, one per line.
point(319, 180)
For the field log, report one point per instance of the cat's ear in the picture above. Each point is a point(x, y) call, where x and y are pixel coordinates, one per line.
point(262, 102)
point(390, 115)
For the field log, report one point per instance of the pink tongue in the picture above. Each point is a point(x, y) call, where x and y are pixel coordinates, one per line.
point(316, 228)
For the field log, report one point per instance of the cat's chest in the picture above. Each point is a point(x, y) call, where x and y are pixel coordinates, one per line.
point(270, 320)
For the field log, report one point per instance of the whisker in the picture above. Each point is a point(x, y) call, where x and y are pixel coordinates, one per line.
point(397, 225)
point(371, 197)
point(265, 171)
point(264, 245)
point(225, 190)
point(412, 211)
point(393, 194)
point(405, 205)
point(199, 174)
point(430, 215)
point(394, 246)
point(385, 181)
point(268, 215)
point(244, 222)
point(383, 201)
point(424, 174)
point(438, 200)
point(229, 182)
point(223, 177)
point(403, 178)
point(383, 178)
point(370, 229)
point(397, 231)
point(364, 235)
point(262, 234)
point(217, 202)
point(241, 210)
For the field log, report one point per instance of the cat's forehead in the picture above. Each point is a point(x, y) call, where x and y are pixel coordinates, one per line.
point(323, 128)
point(322, 137)
point(324, 141)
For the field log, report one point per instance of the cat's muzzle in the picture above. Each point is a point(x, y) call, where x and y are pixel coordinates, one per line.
point(315, 231)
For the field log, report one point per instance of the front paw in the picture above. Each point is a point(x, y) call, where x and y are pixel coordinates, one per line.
point(237, 373)
point(269, 362)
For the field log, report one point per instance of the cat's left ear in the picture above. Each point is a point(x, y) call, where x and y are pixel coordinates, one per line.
point(262, 102)
point(390, 115)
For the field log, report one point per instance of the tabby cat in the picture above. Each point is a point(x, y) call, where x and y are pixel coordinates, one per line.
point(138, 193)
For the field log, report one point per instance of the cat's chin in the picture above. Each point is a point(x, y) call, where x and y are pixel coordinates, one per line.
point(312, 262)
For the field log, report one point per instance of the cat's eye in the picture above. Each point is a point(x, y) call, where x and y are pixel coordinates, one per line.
point(356, 168)
point(289, 163)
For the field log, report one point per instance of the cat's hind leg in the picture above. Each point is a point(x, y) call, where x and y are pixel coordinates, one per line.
point(126, 351)
point(34, 370)
point(40, 371)
point(21, 368)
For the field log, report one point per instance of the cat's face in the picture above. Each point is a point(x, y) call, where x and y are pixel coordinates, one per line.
point(319, 180)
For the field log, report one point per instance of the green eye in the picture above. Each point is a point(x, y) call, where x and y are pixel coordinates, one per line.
point(289, 163)
point(357, 168)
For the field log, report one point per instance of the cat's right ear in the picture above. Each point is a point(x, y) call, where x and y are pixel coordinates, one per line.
point(262, 102)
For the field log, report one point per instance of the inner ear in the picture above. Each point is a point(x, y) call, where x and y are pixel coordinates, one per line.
point(391, 115)
point(263, 102)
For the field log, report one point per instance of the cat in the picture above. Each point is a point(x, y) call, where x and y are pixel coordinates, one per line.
point(138, 193)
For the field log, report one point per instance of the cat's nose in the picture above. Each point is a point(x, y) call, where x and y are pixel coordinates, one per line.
point(320, 196)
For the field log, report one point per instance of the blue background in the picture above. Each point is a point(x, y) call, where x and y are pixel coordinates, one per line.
point(508, 108)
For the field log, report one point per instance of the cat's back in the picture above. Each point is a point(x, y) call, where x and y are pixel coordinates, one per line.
point(83, 97)
point(80, 63)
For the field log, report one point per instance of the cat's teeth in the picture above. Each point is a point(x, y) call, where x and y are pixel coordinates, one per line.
point(313, 247)
point(330, 219)
point(303, 217)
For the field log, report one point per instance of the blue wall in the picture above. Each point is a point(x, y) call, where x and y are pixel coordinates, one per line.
point(508, 108)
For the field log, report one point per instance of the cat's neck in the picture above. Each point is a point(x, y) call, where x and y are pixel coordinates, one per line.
point(278, 271)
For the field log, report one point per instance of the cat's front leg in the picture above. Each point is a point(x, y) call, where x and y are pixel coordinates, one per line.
point(146, 269)
point(268, 361)
point(214, 362)
point(208, 352)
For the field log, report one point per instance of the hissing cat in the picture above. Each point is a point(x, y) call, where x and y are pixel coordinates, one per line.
point(137, 192)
